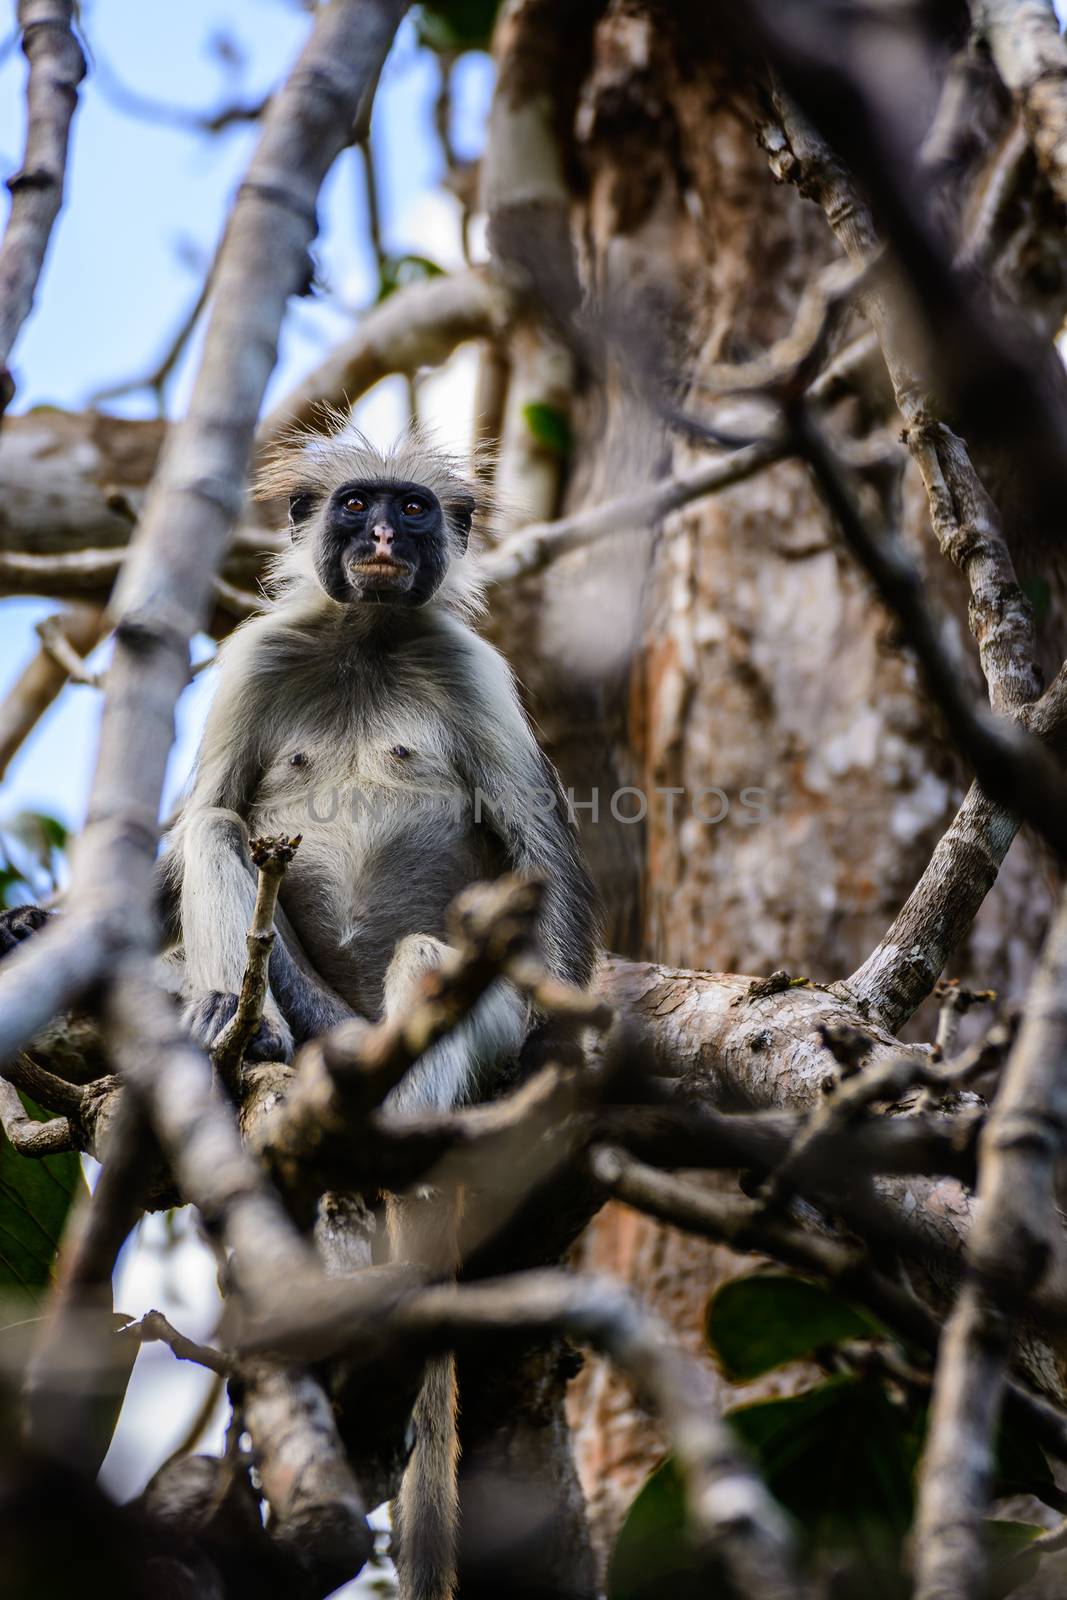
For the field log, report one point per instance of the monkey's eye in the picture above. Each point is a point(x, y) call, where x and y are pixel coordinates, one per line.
point(355, 503)
point(413, 508)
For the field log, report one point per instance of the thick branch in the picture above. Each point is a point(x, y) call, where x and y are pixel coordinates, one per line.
point(1030, 54)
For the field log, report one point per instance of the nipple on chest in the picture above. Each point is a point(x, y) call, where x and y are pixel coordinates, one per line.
point(400, 751)
point(299, 759)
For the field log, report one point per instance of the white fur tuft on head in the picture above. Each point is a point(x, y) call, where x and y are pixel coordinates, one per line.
point(319, 459)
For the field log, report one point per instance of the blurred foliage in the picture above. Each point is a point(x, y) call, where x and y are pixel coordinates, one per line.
point(398, 271)
point(549, 427)
point(32, 855)
point(35, 1197)
point(840, 1457)
point(766, 1319)
point(653, 1555)
point(451, 26)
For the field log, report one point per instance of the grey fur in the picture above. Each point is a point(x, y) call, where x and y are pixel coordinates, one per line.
point(404, 724)
point(371, 730)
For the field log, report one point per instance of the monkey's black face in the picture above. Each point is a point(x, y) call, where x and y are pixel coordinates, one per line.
point(385, 543)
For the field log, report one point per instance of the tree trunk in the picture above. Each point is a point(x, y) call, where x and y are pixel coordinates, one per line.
point(734, 656)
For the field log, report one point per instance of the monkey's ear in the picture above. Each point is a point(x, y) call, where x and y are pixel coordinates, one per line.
point(461, 513)
point(300, 507)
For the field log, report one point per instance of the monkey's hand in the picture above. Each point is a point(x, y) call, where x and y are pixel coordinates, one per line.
point(22, 922)
point(206, 1015)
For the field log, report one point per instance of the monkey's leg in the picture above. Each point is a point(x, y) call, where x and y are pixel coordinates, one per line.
point(464, 1062)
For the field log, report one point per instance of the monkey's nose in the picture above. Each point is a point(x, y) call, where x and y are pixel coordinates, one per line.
point(382, 534)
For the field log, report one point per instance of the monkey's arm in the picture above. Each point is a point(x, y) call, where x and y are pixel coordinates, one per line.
point(208, 879)
point(516, 790)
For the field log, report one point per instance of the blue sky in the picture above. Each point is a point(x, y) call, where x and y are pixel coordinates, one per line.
point(145, 204)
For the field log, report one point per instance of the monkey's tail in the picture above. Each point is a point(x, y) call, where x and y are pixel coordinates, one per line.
point(426, 1511)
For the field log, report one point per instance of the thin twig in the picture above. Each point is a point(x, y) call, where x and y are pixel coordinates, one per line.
point(153, 1327)
point(55, 642)
point(272, 857)
point(535, 546)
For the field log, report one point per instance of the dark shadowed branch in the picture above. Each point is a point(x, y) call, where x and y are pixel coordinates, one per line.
point(1009, 1251)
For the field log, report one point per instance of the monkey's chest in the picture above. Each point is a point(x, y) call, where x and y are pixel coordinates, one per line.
point(390, 834)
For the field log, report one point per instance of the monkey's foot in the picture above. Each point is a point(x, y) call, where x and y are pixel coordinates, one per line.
point(206, 1016)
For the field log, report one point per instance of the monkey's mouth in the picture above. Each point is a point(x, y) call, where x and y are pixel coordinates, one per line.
point(380, 569)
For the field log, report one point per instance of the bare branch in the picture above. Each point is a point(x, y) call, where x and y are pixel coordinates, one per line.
point(56, 643)
point(316, 1510)
point(153, 1327)
point(56, 67)
point(730, 1510)
point(25, 1134)
point(964, 519)
point(535, 546)
point(148, 109)
point(156, 378)
point(1012, 767)
point(1031, 56)
point(302, 1463)
point(1010, 1248)
point(272, 857)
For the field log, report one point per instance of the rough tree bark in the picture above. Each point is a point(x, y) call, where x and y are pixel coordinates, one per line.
point(736, 649)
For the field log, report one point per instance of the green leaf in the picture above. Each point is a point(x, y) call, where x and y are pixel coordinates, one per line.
point(652, 1556)
point(841, 1459)
point(35, 1198)
point(108, 1400)
point(549, 426)
point(14, 890)
point(399, 271)
point(763, 1320)
point(453, 25)
point(1009, 1563)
